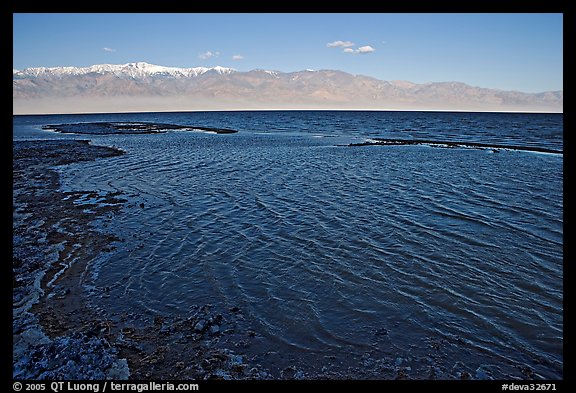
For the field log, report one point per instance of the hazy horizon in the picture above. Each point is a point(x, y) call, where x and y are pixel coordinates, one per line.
point(82, 110)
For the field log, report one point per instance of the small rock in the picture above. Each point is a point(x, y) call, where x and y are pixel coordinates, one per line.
point(200, 326)
point(234, 309)
point(128, 330)
point(435, 345)
point(236, 360)
point(214, 330)
point(142, 206)
point(288, 372)
point(253, 372)
point(527, 372)
point(401, 374)
point(180, 365)
point(251, 333)
point(382, 332)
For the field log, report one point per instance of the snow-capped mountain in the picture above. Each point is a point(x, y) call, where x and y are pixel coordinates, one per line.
point(137, 70)
point(147, 87)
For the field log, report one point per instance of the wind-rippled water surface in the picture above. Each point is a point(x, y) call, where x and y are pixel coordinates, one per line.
point(325, 246)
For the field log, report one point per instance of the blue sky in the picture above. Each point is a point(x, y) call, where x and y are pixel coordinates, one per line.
point(507, 51)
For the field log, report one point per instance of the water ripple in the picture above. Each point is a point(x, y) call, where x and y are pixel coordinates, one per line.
point(323, 245)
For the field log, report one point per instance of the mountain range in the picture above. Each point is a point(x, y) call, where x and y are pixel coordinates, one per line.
point(135, 87)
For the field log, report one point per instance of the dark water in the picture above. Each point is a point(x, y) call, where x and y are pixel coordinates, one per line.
point(324, 245)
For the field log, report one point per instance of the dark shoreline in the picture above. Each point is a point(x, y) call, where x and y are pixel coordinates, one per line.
point(453, 144)
point(111, 128)
point(52, 243)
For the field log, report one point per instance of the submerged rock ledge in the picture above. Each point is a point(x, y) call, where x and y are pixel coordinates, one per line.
point(453, 144)
point(109, 128)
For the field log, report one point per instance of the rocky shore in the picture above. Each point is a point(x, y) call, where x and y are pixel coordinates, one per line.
point(52, 243)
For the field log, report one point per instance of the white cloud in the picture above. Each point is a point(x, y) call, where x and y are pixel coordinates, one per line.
point(108, 49)
point(347, 47)
point(208, 54)
point(237, 57)
point(365, 49)
point(342, 44)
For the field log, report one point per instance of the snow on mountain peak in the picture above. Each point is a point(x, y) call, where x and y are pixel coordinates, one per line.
point(222, 70)
point(272, 73)
point(136, 70)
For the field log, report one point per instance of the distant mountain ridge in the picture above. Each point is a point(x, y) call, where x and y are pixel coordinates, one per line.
point(146, 87)
point(132, 70)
